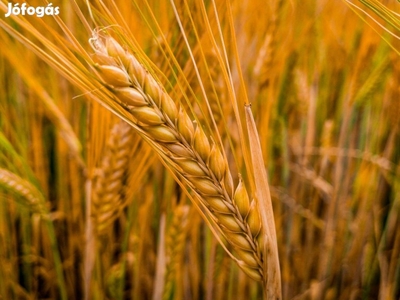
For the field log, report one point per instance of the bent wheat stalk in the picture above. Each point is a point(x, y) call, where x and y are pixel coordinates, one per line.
point(185, 146)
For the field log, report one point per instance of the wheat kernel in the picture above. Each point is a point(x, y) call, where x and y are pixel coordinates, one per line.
point(205, 186)
point(191, 167)
point(115, 50)
point(252, 273)
point(114, 76)
point(254, 220)
point(229, 222)
point(168, 107)
point(178, 150)
point(248, 258)
point(242, 199)
point(218, 205)
point(185, 126)
point(147, 115)
point(201, 143)
point(161, 133)
point(217, 163)
point(130, 96)
point(136, 71)
point(239, 240)
point(152, 89)
point(103, 59)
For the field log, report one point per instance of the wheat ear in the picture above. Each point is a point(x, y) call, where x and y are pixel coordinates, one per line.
point(185, 146)
point(33, 198)
point(175, 245)
point(108, 191)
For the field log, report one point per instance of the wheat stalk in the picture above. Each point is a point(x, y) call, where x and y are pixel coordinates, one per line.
point(184, 144)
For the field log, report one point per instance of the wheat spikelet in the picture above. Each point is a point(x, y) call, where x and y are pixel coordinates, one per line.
point(108, 196)
point(184, 144)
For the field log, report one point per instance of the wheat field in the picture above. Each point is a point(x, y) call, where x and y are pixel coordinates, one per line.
point(200, 149)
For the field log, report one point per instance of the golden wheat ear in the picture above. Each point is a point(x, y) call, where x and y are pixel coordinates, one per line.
point(199, 162)
point(33, 198)
point(108, 191)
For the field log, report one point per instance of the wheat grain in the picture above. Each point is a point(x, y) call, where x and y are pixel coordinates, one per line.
point(199, 162)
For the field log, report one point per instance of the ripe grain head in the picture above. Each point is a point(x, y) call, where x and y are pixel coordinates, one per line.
point(199, 163)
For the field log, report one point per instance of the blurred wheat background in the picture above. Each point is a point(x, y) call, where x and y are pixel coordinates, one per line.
point(88, 209)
